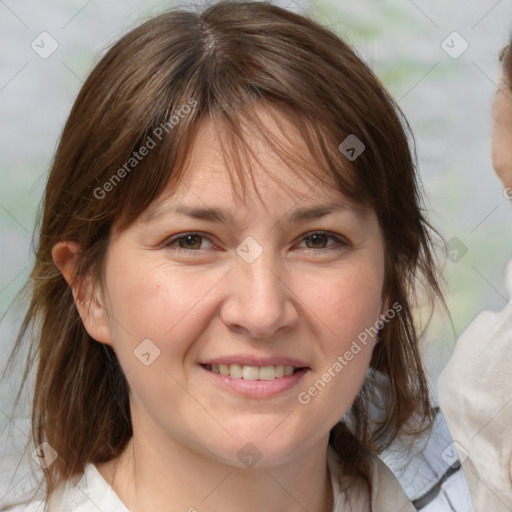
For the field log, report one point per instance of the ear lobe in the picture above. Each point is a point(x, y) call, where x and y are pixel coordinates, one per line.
point(88, 300)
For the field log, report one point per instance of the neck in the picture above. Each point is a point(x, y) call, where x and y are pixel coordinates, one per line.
point(163, 474)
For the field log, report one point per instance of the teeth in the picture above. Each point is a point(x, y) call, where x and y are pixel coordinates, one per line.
point(223, 369)
point(251, 372)
point(237, 371)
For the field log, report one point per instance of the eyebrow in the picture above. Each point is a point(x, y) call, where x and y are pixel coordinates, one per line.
point(213, 214)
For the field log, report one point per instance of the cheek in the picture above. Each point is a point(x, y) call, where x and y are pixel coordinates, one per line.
point(349, 304)
point(157, 303)
point(168, 307)
point(347, 310)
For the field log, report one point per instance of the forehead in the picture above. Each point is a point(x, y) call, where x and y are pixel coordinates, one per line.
point(206, 178)
point(213, 137)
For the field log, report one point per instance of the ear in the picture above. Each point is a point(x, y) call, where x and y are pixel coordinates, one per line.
point(88, 301)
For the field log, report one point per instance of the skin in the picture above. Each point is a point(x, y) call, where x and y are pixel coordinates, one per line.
point(299, 298)
point(502, 151)
point(502, 135)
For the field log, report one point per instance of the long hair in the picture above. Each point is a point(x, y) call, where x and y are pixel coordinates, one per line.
point(157, 82)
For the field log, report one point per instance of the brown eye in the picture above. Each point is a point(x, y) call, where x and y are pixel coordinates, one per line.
point(319, 241)
point(188, 242)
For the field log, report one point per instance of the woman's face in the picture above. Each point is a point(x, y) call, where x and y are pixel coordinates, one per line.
point(280, 282)
point(502, 135)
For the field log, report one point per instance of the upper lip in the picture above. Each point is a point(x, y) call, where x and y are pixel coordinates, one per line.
point(253, 360)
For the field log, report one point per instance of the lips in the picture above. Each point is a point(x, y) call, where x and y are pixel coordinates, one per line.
point(256, 388)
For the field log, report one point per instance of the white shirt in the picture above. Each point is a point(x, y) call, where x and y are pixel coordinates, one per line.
point(93, 493)
point(475, 395)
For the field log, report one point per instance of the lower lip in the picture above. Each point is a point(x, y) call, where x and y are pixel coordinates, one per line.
point(257, 388)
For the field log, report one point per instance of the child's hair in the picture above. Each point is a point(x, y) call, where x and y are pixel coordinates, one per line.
point(506, 59)
point(156, 83)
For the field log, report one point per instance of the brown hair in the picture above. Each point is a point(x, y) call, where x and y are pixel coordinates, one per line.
point(506, 60)
point(222, 61)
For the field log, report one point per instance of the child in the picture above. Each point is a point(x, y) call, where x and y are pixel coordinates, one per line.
point(246, 370)
point(475, 388)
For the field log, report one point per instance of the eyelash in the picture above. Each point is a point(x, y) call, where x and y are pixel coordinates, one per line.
point(341, 241)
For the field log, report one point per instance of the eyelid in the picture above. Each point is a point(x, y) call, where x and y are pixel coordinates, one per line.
point(341, 241)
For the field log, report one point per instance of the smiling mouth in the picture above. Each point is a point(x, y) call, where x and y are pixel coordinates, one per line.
point(237, 371)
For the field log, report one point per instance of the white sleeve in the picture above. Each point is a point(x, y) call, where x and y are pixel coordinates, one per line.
point(475, 395)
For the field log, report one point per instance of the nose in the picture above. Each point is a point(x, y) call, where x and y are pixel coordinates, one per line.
point(260, 302)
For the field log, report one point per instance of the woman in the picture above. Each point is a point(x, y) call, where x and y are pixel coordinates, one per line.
point(231, 245)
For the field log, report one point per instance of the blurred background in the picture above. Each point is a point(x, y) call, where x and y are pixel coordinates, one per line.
point(439, 60)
